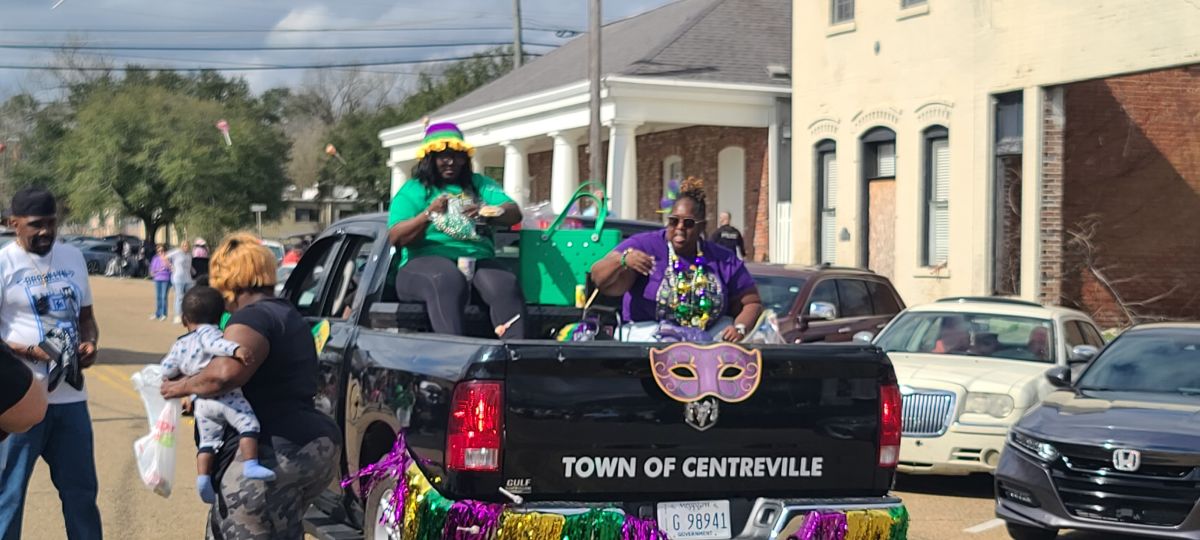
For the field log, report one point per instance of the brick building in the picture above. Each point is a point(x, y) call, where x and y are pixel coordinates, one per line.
point(1026, 148)
point(694, 88)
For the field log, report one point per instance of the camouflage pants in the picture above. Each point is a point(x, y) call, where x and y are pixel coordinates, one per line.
point(274, 510)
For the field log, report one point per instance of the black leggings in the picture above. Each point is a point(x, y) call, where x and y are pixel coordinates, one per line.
point(438, 283)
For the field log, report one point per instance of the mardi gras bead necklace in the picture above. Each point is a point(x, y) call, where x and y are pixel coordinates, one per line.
point(689, 295)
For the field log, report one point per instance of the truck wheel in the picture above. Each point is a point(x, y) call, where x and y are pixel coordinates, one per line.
point(377, 521)
point(1023, 532)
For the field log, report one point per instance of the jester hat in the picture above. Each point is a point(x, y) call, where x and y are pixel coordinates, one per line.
point(442, 137)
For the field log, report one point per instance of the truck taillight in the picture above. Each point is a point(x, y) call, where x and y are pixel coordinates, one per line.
point(889, 425)
point(476, 426)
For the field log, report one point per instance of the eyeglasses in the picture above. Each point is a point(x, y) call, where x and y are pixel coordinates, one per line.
point(688, 223)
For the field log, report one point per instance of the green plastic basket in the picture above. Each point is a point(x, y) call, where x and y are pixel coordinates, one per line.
point(554, 262)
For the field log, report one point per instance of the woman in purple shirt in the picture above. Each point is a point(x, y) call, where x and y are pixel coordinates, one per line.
point(160, 272)
point(676, 276)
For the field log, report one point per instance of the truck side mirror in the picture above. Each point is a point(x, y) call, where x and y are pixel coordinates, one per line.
point(822, 311)
point(1059, 376)
point(1082, 354)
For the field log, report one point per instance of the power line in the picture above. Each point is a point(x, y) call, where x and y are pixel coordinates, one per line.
point(280, 30)
point(258, 48)
point(259, 67)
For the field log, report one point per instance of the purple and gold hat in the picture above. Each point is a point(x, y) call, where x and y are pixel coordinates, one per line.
point(442, 137)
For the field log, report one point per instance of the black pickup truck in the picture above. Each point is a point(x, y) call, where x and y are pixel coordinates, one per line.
point(567, 426)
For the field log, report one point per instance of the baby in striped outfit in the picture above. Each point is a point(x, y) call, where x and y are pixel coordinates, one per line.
point(202, 310)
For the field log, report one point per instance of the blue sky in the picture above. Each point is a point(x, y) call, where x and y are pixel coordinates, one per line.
point(264, 23)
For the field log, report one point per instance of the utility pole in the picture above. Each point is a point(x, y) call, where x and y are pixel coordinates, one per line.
point(518, 48)
point(594, 79)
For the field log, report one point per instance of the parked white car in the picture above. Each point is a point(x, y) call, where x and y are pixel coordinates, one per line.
point(969, 368)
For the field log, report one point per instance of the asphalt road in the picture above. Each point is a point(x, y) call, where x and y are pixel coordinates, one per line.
point(942, 508)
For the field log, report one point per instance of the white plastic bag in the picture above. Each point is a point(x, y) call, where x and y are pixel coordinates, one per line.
point(155, 452)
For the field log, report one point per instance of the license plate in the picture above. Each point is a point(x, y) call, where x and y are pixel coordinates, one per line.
point(698, 520)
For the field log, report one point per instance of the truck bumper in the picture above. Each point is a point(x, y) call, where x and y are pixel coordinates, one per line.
point(961, 450)
point(769, 519)
point(777, 519)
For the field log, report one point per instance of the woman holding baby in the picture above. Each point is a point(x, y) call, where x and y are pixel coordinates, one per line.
point(277, 371)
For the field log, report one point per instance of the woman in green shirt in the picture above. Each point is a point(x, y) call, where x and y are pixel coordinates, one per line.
point(435, 219)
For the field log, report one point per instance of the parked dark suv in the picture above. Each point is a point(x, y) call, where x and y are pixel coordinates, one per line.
point(826, 303)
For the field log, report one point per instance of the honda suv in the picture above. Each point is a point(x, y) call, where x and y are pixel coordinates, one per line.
point(826, 303)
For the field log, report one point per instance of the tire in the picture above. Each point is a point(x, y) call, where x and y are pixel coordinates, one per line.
point(1024, 532)
point(376, 500)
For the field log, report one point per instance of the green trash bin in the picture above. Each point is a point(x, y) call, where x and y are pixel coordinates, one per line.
point(554, 261)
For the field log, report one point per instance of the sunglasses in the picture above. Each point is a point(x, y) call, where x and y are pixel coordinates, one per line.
point(688, 223)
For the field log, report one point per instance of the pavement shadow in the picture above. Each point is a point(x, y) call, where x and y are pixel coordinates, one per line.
point(976, 486)
point(122, 357)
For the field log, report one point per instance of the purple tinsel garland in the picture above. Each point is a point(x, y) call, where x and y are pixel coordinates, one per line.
point(472, 520)
point(636, 528)
point(822, 526)
point(393, 465)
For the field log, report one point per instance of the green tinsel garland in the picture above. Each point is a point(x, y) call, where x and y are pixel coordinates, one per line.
point(899, 523)
point(594, 525)
point(433, 516)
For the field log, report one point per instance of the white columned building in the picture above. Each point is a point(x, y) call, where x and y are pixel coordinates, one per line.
point(564, 179)
point(516, 176)
point(659, 123)
point(622, 168)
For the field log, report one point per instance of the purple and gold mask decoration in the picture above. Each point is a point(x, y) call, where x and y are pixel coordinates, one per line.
point(688, 373)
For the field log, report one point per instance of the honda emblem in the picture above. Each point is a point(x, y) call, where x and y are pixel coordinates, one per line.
point(1126, 460)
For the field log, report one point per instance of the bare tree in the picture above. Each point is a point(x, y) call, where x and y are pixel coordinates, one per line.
point(331, 95)
point(1083, 242)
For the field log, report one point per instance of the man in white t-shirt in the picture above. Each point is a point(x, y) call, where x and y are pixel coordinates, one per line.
point(46, 318)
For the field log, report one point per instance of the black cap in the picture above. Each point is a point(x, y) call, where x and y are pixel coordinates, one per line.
point(34, 201)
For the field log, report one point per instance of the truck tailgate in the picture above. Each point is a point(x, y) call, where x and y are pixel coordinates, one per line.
point(592, 421)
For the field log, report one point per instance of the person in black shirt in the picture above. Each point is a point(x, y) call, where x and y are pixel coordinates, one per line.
point(280, 379)
point(728, 236)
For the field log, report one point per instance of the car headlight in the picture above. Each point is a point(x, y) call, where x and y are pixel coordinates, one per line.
point(1042, 450)
point(996, 405)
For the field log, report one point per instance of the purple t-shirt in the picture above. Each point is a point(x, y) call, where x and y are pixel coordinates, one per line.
point(159, 271)
point(641, 302)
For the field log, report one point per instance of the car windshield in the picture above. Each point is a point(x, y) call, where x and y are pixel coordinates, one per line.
point(972, 334)
point(1159, 361)
point(778, 293)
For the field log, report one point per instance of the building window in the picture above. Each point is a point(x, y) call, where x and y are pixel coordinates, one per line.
point(879, 154)
point(827, 173)
point(672, 169)
point(911, 3)
point(306, 215)
point(842, 11)
point(937, 196)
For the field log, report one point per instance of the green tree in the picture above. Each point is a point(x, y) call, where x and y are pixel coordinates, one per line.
point(154, 153)
point(356, 136)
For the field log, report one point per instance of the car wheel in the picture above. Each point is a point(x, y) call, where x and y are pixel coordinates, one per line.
point(1024, 532)
point(378, 521)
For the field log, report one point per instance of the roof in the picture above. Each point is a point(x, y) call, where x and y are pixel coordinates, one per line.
point(765, 269)
point(1186, 326)
point(1000, 306)
point(726, 41)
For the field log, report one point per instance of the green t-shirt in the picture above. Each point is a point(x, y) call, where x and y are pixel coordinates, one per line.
point(413, 198)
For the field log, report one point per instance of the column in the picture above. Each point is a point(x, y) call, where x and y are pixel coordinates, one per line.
point(622, 169)
point(516, 172)
point(401, 171)
point(1041, 194)
point(564, 179)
